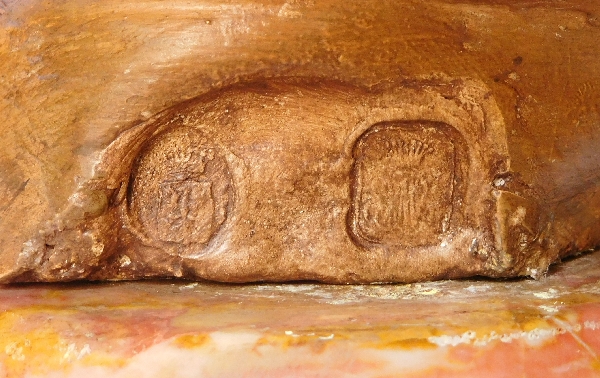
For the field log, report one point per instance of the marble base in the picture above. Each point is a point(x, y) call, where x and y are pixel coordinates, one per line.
point(514, 328)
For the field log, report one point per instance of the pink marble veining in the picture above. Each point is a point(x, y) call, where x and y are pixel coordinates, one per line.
point(546, 328)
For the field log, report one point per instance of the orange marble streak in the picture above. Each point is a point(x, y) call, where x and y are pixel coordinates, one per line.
point(548, 328)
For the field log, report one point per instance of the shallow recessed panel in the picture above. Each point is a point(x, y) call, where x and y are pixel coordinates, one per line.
point(403, 184)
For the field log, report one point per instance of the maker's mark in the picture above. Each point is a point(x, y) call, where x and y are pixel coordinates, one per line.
point(180, 189)
point(403, 181)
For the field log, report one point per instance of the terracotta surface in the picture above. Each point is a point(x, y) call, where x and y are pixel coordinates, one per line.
point(464, 328)
point(274, 141)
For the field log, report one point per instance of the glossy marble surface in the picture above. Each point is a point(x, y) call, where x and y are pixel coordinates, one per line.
point(545, 328)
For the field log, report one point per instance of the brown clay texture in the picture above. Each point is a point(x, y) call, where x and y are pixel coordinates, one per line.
point(343, 142)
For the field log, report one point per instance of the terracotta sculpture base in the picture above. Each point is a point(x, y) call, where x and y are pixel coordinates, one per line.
point(388, 149)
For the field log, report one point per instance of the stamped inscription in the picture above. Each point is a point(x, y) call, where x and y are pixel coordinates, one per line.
point(180, 190)
point(403, 185)
point(186, 210)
